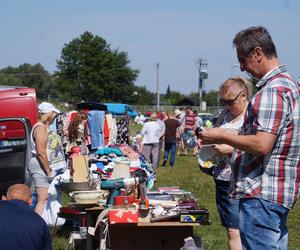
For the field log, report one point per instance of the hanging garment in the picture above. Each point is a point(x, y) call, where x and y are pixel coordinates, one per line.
point(96, 125)
point(123, 131)
point(62, 127)
point(113, 131)
point(106, 132)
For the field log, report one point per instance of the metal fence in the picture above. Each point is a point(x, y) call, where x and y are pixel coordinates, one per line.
point(209, 109)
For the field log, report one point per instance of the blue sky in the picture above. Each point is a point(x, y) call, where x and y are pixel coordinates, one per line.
point(173, 33)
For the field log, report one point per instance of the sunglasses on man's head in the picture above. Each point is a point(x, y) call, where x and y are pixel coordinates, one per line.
point(230, 102)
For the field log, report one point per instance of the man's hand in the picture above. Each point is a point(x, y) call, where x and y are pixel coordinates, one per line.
point(211, 135)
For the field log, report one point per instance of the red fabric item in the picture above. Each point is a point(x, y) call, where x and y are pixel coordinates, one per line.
point(106, 132)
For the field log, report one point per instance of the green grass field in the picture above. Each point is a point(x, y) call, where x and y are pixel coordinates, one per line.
point(187, 175)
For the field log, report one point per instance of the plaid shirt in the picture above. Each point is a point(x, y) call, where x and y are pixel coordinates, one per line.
point(274, 109)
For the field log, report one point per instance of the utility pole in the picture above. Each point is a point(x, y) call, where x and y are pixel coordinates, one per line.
point(202, 70)
point(157, 86)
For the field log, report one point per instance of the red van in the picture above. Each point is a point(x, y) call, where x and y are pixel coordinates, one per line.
point(18, 102)
point(18, 113)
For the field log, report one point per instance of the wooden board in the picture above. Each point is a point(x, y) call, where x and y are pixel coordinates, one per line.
point(80, 168)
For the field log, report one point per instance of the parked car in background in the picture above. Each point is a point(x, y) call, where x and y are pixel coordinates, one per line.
point(207, 118)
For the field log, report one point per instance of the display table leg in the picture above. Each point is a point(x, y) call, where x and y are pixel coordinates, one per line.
point(90, 238)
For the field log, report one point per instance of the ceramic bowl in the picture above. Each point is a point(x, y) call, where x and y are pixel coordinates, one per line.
point(87, 196)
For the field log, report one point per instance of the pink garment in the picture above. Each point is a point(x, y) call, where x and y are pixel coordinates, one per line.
point(129, 152)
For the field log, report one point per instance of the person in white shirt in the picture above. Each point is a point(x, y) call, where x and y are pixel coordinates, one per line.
point(151, 133)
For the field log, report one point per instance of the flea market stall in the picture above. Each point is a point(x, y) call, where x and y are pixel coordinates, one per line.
point(113, 204)
point(117, 210)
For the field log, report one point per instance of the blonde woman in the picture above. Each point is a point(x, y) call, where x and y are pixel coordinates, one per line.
point(234, 96)
point(43, 147)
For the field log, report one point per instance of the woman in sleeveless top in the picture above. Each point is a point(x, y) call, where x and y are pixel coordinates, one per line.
point(39, 165)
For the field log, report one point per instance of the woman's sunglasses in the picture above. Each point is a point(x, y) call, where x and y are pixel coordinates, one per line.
point(230, 102)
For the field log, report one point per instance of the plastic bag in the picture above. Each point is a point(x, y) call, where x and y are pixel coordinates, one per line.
point(189, 244)
point(189, 140)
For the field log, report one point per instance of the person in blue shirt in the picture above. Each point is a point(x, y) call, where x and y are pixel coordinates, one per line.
point(20, 226)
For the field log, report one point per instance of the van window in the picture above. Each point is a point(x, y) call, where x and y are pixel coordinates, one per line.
point(13, 145)
point(12, 133)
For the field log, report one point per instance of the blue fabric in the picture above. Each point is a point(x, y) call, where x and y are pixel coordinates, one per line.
point(263, 225)
point(227, 206)
point(170, 147)
point(96, 120)
point(107, 151)
point(22, 228)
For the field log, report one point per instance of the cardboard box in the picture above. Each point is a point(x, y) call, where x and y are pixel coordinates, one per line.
point(123, 215)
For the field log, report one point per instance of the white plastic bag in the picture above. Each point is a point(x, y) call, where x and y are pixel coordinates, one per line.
point(54, 203)
point(189, 244)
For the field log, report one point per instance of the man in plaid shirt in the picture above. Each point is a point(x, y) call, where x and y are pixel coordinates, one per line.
point(267, 164)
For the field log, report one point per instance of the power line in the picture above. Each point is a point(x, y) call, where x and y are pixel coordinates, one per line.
point(28, 74)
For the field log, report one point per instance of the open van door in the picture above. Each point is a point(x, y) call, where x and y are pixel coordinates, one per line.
point(15, 152)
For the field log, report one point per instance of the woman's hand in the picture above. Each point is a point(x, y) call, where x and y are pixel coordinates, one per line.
point(199, 143)
point(49, 172)
point(223, 149)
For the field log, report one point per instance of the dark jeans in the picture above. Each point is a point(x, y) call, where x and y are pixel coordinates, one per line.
point(170, 146)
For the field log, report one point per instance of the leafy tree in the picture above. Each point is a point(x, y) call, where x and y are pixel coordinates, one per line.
point(174, 97)
point(33, 76)
point(90, 70)
point(142, 96)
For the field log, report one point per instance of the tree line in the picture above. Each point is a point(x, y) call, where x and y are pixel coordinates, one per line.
point(90, 70)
